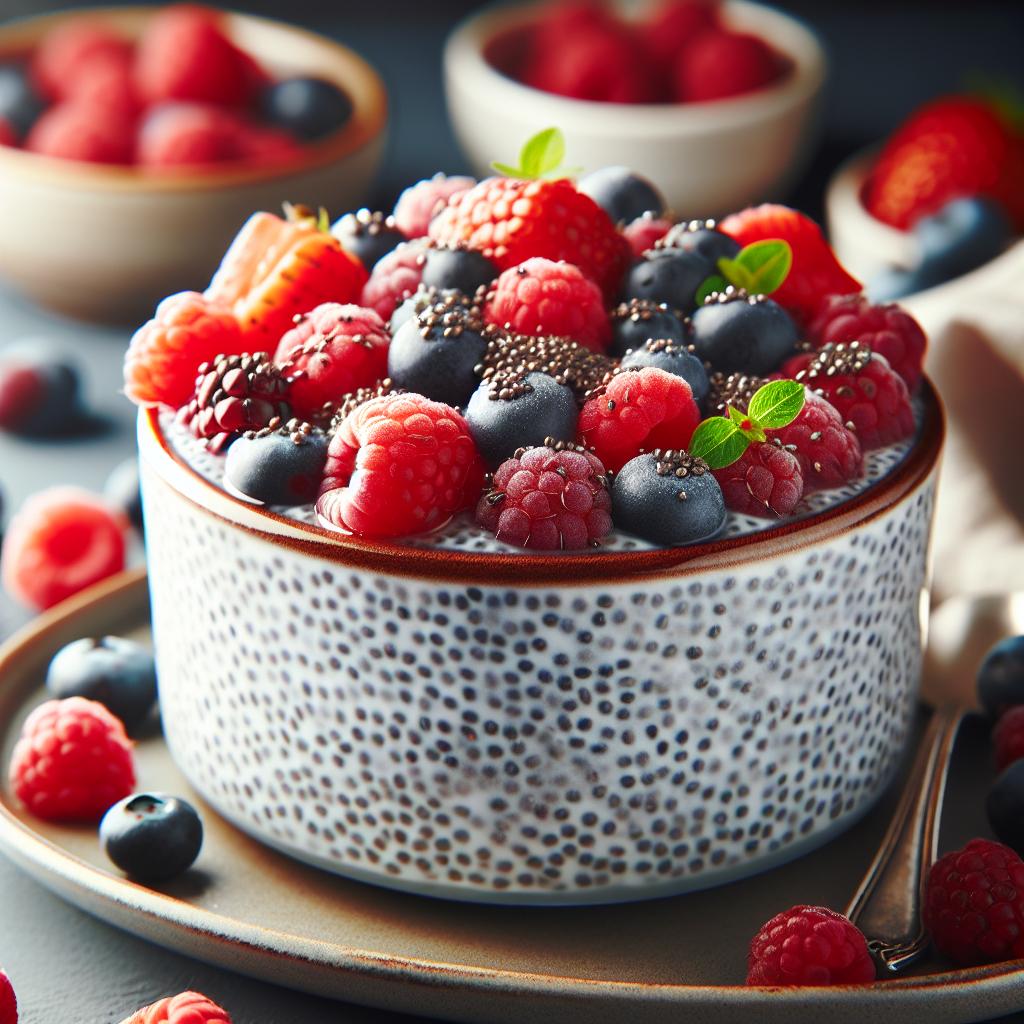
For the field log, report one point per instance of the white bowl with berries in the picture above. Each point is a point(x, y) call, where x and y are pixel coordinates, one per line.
point(503, 564)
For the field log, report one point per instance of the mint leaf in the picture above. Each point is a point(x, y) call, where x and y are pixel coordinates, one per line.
point(718, 441)
point(736, 416)
point(540, 157)
point(715, 283)
point(768, 262)
point(776, 404)
point(736, 273)
point(507, 169)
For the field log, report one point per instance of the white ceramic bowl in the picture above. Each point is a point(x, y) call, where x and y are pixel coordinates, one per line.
point(106, 243)
point(707, 158)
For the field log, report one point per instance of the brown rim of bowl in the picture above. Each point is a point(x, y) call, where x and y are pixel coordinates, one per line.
point(361, 82)
point(565, 569)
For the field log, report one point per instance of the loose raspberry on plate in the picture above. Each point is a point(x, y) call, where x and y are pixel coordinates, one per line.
point(77, 131)
point(72, 761)
point(399, 465)
point(765, 481)
point(184, 1008)
point(395, 277)
point(1008, 737)
point(332, 350)
point(638, 409)
point(719, 63)
point(643, 232)
point(974, 904)
point(69, 47)
point(419, 204)
point(551, 498)
point(889, 331)
point(61, 541)
point(541, 297)
point(8, 1001)
point(165, 354)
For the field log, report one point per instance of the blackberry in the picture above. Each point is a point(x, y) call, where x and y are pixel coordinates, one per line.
point(671, 276)
point(735, 332)
point(639, 320)
point(282, 466)
point(700, 237)
point(457, 268)
point(367, 236)
point(673, 357)
point(623, 194)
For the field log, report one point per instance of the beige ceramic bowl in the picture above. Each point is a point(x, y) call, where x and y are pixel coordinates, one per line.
point(707, 158)
point(106, 243)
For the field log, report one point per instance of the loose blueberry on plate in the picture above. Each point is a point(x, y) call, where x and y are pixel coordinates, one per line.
point(152, 836)
point(461, 269)
point(671, 276)
point(734, 332)
point(20, 104)
point(1005, 806)
point(623, 194)
point(281, 466)
point(703, 238)
point(39, 390)
point(1001, 676)
point(117, 672)
point(123, 492)
point(673, 357)
point(639, 320)
point(368, 236)
point(310, 108)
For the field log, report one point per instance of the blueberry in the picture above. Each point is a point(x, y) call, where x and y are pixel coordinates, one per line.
point(367, 236)
point(152, 836)
point(39, 390)
point(636, 321)
point(536, 407)
point(1001, 676)
point(622, 194)
point(20, 104)
point(743, 334)
point(671, 276)
point(278, 467)
point(122, 491)
point(462, 269)
point(445, 299)
point(895, 283)
point(118, 673)
point(1005, 806)
point(963, 235)
point(673, 357)
point(701, 237)
point(652, 500)
point(307, 107)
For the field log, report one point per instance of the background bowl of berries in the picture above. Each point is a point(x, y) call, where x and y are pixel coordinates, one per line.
point(135, 141)
point(715, 103)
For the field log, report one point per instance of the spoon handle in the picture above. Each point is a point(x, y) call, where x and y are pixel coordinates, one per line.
point(887, 904)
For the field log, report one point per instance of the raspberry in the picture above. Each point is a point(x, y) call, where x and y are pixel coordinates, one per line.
point(888, 331)
point(399, 465)
point(266, 146)
point(331, 351)
point(1008, 737)
point(550, 498)
point(106, 81)
point(638, 409)
point(643, 232)
point(189, 134)
point(8, 133)
point(165, 354)
point(394, 278)
point(974, 904)
point(765, 480)
point(67, 49)
point(8, 1001)
point(809, 946)
point(510, 220)
point(718, 64)
point(60, 542)
point(671, 27)
point(420, 203)
point(871, 399)
point(184, 1008)
point(540, 297)
point(77, 131)
point(72, 761)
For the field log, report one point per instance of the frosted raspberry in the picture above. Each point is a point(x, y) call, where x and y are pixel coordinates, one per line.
point(184, 1008)
point(420, 203)
point(395, 277)
point(765, 481)
point(828, 451)
point(643, 232)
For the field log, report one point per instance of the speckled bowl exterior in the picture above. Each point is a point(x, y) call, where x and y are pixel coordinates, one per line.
point(530, 728)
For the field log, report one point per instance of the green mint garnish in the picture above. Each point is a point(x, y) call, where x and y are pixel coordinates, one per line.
point(540, 157)
point(758, 268)
point(718, 441)
point(777, 404)
point(715, 283)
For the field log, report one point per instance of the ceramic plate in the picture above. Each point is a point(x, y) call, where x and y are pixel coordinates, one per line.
point(249, 909)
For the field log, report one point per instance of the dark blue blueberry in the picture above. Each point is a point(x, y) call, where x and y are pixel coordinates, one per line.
point(1001, 676)
point(1005, 806)
point(20, 104)
point(118, 673)
point(963, 235)
point(444, 299)
point(39, 390)
point(437, 353)
point(702, 238)
point(737, 334)
point(637, 321)
point(535, 407)
point(461, 269)
point(895, 283)
point(668, 498)
point(623, 194)
point(671, 276)
point(279, 467)
point(368, 236)
point(152, 837)
point(673, 357)
point(307, 107)
point(123, 492)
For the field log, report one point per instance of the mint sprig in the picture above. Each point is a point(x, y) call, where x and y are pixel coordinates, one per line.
point(758, 268)
point(721, 440)
point(541, 157)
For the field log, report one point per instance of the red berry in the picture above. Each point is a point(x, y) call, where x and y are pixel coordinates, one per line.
point(76, 131)
point(638, 410)
point(190, 134)
point(643, 232)
point(509, 221)
point(549, 500)
point(398, 465)
point(333, 350)
point(266, 146)
point(888, 331)
point(394, 278)
point(106, 81)
point(165, 354)
point(540, 297)
point(765, 481)
point(8, 1001)
point(8, 134)
point(72, 761)
point(974, 904)
point(720, 63)
point(420, 203)
point(184, 1008)
point(61, 541)
point(809, 946)
point(1008, 737)
point(68, 48)
point(671, 27)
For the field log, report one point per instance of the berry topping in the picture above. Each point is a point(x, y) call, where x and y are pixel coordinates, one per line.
point(282, 466)
point(368, 236)
point(20, 104)
point(809, 946)
point(459, 269)
point(61, 541)
point(645, 232)
point(184, 1008)
point(357, 398)
point(732, 389)
point(399, 465)
point(439, 302)
point(72, 761)
point(332, 350)
point(720, 63)
point(152, 836)
point(974, 904)
point(1001, 677)
point(74, 131)
point(766, 480)
point(622, 194)
point(553, 498)
point(668, 497)
point(670, 276)
point(734, 331)
point(672, 357)
point(420, 203)
point(637, 410)
point(828, 451)
point(39, 390)
point(640, 320)
point(542, 297)
point(8, 1001)
point(703, 238)
point(309, 108)
point(1008, 737)
point(118, 673)
point(395, 277)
